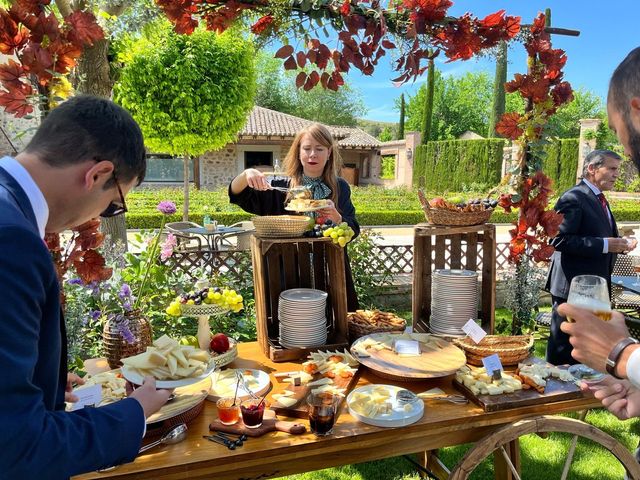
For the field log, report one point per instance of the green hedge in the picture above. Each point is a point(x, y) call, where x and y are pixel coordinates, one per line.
point(401, 207)
point(561, 163)
point(448, 165)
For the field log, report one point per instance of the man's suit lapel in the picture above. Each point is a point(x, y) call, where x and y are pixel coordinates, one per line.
point(597, 206)
point(20, 197)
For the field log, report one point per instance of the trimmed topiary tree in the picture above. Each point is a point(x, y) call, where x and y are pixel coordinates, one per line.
point(189, 94)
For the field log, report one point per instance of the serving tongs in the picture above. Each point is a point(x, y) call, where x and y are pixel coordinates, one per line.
point(407, 396)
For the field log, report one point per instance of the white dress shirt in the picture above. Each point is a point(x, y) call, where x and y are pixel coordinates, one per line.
point(35, 196)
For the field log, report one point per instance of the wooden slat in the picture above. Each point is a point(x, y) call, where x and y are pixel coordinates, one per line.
point(489, 279)
point(304, 263)
point(417, 292)
point(438, 262)
point(289, 264)
point(259, 279)
point(472, 251)
point(272, 290)
point(319, 280)
point(456, 251)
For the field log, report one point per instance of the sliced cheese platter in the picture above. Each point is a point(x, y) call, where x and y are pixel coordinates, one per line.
point(533, 383)
point(328, 371)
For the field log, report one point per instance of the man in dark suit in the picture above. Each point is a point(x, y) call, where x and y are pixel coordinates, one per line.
point(85, 156)
point(587, 243)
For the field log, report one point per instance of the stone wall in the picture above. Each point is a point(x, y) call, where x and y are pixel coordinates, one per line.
point(218, 168)
point(19, 131)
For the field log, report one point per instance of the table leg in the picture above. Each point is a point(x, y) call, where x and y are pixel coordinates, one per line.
point(501, 466)
point(432, 462)
point(204, 332)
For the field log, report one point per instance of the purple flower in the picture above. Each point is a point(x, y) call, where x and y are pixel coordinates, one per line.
point(125, 331)
point(126, 306)
point(167, 207)
point(74, 281)
point(95, 314)
point(125, 292)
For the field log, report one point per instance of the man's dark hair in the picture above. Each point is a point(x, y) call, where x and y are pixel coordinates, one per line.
point(91, 128)
point(625, 82)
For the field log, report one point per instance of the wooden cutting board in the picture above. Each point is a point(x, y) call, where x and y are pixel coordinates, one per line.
point(269, 424)
point(438, 358)
point(300, 393)
point(555, 391)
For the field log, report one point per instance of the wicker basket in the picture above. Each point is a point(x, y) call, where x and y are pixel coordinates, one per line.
point(357, 330)
point(280, 226)
point(439, 216)
point(511, 350)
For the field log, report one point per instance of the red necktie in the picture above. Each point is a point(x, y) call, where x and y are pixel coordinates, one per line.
point(603, 202)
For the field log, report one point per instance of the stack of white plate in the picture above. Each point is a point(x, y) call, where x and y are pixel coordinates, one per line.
point(303, 321)
point(454, 300)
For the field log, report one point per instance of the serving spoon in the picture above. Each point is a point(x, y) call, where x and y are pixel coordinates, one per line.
point(175, 435)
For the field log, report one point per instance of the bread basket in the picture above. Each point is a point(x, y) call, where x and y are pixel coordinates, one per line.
point(280, 226)
point(440, 216)
point(510, 349)
point(359, 327)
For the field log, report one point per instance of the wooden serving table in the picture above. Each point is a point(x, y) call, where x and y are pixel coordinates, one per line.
point(276, 454)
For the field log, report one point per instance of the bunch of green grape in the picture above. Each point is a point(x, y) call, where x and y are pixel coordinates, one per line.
point(340, 234)
point(225, 298)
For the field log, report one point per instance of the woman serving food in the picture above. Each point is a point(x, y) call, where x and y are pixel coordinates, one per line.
point(313, 161)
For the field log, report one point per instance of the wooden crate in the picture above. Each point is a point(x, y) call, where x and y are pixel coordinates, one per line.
point(281, 264)
point(437, 247)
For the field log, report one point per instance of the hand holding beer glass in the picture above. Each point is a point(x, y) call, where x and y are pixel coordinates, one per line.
point(591, 293)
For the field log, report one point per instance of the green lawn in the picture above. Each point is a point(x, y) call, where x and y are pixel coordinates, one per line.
point(541, 458)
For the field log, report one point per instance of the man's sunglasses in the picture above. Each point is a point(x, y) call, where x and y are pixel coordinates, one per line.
point(115, 208)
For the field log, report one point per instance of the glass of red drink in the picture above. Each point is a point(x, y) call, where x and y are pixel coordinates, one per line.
point(323, 408)
point(252, 412)
point(228, 410)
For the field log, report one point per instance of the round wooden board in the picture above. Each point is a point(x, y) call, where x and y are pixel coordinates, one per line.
point(438, 358)
point(186, 398)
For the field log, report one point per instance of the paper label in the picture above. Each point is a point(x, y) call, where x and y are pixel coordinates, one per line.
point(91, 395)
point(474, 331)
point(492, 363)
point(407, 347)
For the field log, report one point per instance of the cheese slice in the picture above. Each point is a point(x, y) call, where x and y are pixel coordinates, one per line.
point(322, 381)
point(287, 402)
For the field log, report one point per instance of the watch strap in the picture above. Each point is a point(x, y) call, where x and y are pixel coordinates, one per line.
point(614, 355)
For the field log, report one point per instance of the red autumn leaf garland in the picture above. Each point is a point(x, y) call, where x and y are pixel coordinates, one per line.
point(43, 44)
point(544, 91)
point(80, 253)
point(365, 30)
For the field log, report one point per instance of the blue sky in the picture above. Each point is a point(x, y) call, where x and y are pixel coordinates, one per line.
point(608, 31)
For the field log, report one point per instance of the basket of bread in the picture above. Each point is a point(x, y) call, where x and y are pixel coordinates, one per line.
point(364, 322)
point(456, 211)
point(510, 349)
point(280, 226)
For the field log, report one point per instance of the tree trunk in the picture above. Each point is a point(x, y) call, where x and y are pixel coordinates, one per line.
point(498, 106)
point(401, 124)
point(185, 207)
point(93, 76)
point(428, 104)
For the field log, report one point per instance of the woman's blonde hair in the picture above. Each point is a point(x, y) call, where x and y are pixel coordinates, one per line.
point(293, 166)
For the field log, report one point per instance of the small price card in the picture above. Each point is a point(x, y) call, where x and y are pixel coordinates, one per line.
point(407, 348)
point(474, 331)
point(493, 365)
point(91, 395)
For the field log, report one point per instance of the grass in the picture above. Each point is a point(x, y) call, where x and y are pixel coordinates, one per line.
point(542, 458)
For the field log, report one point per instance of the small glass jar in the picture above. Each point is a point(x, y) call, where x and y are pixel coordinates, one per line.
point(228, 410)
point(252, 411)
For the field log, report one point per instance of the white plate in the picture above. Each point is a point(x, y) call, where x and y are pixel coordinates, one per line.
point(308, 209)
point(397, 418)
point(455, 273)
point(134, 377)
point(303, 295)
point(223, 383)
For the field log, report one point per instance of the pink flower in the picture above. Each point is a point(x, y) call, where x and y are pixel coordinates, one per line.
point(168, 246)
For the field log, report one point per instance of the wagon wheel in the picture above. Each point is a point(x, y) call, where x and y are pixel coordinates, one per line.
point(496, 441)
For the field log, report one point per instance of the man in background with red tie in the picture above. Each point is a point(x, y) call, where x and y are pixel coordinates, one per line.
point(587, 243)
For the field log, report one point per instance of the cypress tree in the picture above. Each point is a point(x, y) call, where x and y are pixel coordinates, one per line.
point(498, 107)
point(428, 104)
point(401, 124)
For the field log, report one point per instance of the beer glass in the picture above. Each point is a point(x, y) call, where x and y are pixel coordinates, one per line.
point(592, 293)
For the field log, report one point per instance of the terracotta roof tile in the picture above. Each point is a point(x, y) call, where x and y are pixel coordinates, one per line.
point(270, 123)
